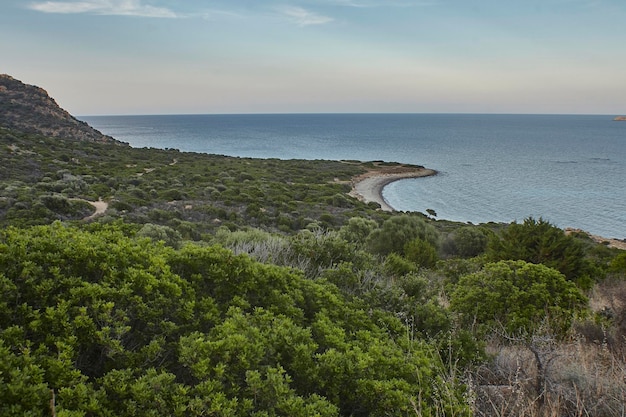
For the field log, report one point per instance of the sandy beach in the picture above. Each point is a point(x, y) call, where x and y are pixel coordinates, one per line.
point(368, 187)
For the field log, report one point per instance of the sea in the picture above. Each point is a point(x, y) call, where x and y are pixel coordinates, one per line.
point(567, 169)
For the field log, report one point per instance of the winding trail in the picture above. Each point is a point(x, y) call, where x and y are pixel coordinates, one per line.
point(100, 206)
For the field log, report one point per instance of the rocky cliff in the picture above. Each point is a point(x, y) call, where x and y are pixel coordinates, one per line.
point(29, 109)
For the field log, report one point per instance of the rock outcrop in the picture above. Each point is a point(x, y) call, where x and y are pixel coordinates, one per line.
point(29, 109)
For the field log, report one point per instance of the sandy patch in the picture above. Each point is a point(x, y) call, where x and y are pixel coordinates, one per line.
point(100, 206)
point(369, 186)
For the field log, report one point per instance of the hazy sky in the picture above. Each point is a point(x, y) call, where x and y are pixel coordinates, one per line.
point(286, 56)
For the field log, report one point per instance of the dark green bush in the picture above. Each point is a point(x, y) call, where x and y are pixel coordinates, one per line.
point(467, 242)
point(421, 253)
point(539, 242)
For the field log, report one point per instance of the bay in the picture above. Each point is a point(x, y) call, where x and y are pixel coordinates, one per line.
point(567, 169)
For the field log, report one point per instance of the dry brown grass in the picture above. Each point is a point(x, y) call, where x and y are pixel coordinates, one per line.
point(583, 376)
point(609, 300)
point(579, 379)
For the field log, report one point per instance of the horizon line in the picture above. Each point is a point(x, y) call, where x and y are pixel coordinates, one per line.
point(350, 113)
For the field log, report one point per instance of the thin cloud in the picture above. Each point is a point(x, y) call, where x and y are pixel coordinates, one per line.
point(216, 14)
point(580, 4)
point(378, 3)
point(104, 7)
point(304, 17)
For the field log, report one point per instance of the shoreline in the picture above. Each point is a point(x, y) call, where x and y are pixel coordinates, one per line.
point(369, 187)
point(609, 242)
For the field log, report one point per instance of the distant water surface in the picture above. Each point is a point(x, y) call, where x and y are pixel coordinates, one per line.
point(568, 169)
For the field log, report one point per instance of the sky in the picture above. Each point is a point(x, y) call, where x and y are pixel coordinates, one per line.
point(100, 57)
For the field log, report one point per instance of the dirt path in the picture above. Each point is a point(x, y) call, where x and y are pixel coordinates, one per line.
point(100, 206)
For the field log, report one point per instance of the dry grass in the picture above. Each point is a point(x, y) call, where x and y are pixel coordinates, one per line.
point(583, 376)
point(579, 379)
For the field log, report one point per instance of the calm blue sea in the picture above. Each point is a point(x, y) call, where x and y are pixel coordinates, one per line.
point(570, 169)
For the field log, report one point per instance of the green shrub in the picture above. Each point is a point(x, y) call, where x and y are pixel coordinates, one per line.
point(396, 265)
point(539, 242)
point(56, 202)
point(421, 253)
point(172, 194)
point(618, 264)
point(519, 296)
point(159, 233)
point(467, 242)
point(397, 231)
point(357, 229)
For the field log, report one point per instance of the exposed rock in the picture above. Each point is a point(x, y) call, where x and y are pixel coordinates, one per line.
point(29, 109)
point(610, 242)
point(620, 119)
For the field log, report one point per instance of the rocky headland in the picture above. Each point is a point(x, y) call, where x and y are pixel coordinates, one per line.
point(29, 109)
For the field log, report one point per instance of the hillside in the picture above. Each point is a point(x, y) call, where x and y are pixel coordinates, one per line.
point(29, 109)
point(215, 285)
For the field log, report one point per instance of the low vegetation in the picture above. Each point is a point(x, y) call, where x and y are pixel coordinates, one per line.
point(214, 285)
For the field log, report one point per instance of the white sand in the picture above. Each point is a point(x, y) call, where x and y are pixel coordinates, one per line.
point(100, 206)
point(369, 187)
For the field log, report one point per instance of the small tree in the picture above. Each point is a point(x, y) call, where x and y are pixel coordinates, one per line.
point(539, 242)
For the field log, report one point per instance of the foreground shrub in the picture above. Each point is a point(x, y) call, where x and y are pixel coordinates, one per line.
point(421, 252)
point(466, 242)
point(108, 325)
point(517, 295)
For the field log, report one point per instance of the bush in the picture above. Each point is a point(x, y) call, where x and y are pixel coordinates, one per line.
point(618, 264)
point(539, 242)
point(421, 253)
point(518, 296)
point(56, 202)
point(397, 231)
point(111, 324)
point(158, 233)
point(467, 242)
point(357, 229)
point(172, 195)
point(318, 250)
point(396, 265)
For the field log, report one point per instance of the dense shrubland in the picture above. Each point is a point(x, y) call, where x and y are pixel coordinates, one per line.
point(115, 325)
point(233, 286)
point(43, 179)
